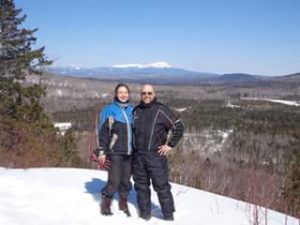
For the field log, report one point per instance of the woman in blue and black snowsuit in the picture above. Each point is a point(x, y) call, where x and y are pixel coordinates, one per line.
point(115, 146)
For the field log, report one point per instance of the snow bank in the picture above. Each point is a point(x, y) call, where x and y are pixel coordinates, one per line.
point(54, 196)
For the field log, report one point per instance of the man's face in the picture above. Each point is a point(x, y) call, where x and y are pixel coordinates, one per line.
point(147, 94)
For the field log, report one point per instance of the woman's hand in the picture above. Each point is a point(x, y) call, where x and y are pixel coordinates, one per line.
point(101, 159)
point(103, 162)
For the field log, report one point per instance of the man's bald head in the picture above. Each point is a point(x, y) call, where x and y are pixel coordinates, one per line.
point(147, 93)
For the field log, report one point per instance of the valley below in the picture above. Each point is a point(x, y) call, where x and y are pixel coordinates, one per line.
point(240, 140)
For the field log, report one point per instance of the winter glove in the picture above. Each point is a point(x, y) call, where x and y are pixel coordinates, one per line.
point(94, 156)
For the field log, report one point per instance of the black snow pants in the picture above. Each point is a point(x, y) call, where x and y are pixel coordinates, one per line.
point(119, 174)
point(151, 165)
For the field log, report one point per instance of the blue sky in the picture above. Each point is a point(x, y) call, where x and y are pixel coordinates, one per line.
point(223, 36)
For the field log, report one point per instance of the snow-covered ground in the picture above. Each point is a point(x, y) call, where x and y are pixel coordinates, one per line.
point(279, 101)
point(62, 127)
point(284, 102)
point(207, 141)
point(59, 196)
point(229, 105)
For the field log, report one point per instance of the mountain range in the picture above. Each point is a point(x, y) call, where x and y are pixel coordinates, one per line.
point(163, 73)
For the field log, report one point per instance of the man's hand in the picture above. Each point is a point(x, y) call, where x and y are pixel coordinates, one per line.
point(164, 149)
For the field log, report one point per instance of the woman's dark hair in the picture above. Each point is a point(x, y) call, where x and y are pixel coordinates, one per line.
point(121, 85)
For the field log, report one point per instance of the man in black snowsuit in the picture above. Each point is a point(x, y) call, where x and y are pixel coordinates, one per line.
point(151, 124)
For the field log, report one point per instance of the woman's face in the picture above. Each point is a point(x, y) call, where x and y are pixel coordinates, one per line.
point(122, 94)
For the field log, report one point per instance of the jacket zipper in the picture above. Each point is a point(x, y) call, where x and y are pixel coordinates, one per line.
point(155, 118)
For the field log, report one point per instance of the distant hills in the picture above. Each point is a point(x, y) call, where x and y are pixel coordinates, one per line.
point(163, 73)
point(135, 72)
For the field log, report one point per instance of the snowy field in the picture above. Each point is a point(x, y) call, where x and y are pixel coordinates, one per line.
point(279, 101)
point(58, 196)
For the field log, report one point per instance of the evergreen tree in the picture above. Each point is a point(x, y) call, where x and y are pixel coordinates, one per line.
point(17, 60)
point(27, 135)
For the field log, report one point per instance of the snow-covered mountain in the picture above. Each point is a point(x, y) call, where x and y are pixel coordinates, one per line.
point(49, 196)
point(164, 73)
point(158, 72)
point(160, 65)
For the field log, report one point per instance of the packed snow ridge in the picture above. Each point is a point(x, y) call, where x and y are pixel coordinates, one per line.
point(53, 196)
point(159, 65)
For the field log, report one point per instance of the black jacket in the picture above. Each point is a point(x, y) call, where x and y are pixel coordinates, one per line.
point(151, 124)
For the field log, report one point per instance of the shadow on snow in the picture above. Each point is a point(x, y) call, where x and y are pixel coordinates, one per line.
point(95, 186)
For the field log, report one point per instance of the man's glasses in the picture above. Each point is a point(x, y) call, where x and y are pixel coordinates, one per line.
point(147, 93)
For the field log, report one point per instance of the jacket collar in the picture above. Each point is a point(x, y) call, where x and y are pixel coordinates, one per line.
point(149, 105)
point(121, 104)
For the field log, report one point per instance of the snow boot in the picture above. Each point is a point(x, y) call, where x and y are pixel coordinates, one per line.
point(124, 206)
point(105, 205)
point(145, 216)
point(169, 217)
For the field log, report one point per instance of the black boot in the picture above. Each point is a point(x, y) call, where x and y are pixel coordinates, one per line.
point(169, 217)
point(124, 206)
point(105, 205)
point(145, 216)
